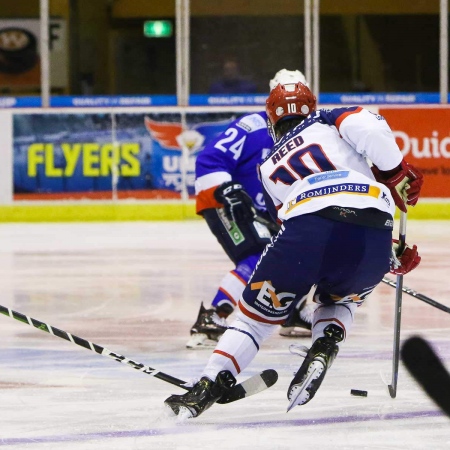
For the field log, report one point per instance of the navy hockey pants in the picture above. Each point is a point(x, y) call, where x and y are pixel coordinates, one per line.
point(345, 261)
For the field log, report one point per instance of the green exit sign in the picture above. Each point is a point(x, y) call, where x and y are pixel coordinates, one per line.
point(158, 28)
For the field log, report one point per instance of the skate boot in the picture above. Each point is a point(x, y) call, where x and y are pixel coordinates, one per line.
point(319, 358)
point(202, 396)
point(299, 323)
point(207, 329)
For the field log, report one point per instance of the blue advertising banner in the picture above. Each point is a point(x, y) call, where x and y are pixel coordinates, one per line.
point(93, 101)
point(107, 156)
point(338, 98)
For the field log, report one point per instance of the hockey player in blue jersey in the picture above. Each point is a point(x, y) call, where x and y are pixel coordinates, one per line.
point(336, 234)
point(228, 196)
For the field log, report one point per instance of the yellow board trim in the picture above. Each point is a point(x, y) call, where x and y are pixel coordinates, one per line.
point(104, 212)
point(101, 212)
point(428, 211)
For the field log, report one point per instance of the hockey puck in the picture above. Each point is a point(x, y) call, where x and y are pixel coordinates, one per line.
point(358, 393)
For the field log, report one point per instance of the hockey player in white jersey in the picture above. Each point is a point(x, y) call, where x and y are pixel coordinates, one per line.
point(228, 195)
point(336, 234)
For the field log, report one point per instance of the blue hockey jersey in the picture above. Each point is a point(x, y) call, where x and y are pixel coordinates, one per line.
point(233, 155)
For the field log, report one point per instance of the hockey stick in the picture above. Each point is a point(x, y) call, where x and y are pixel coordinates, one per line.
point(268, 223)
point(252, 385)
point(425, 366)
point(417, 295)
point(398, 311)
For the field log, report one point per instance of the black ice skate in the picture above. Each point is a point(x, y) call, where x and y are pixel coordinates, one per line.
point(299, 323)
point(202, 396)
point(312, 372)
point(207, 329)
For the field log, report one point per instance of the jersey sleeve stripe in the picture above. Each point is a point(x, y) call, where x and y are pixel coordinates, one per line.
point(210, 180)
point(346, 114)
point(205, 200)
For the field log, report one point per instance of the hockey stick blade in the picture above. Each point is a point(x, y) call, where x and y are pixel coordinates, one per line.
point(417, 295)
point(428, 370)
point(251, 386)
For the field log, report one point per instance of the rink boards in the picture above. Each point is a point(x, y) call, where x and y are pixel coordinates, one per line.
point(89, 164)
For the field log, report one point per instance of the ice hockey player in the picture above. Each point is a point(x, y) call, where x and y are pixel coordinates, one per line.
point(336, 233)
point(228, 195)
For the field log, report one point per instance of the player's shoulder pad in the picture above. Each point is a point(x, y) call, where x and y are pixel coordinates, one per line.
point(252, 122)
point(337, 115)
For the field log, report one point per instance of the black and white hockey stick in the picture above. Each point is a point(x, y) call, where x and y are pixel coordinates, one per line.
point(252, 385)
point(428, 370)
point(417, 295)
point(398, 311)
point(268, 223)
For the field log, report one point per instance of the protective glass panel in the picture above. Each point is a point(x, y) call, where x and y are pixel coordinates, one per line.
point(379, 46)
point(237, 47)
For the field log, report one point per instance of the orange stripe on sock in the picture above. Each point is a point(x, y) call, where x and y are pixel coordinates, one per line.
point(333, 320)
point(233, 359)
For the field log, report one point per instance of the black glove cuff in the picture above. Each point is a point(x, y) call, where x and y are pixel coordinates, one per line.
point(225, 189)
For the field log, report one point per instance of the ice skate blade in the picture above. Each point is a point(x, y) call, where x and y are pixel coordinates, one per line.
point(299, 394)
point(199, 341)
point(168, 412)
point(184, 414)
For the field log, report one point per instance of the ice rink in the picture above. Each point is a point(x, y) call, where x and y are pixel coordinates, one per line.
point(135, 288)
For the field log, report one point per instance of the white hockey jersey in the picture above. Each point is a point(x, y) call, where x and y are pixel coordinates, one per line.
point(323, 162)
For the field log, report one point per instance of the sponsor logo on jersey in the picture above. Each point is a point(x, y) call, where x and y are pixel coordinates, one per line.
point(345, 188)
point(252, 122)
point(344, 212)
point(244, 126)
point(269, 297)
point(327, 176)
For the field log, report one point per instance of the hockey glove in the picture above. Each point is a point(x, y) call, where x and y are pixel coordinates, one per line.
point(238, 204)
point(404, 262)
point(404, 182)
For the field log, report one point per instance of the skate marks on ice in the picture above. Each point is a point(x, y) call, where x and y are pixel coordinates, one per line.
point(136, 288)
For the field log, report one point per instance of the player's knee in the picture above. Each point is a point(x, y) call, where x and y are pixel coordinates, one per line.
point(259, 330)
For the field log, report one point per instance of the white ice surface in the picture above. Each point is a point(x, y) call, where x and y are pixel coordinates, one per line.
point(135, 288)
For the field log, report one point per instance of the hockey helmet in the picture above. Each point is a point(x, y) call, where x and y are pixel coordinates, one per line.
point(285, 76)
point(289, 101)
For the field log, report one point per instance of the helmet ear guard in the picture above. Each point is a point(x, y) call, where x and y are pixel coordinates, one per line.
point(289, 101)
